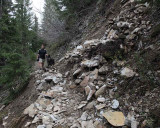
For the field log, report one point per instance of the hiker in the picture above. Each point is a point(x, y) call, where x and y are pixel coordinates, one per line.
point(42, 53)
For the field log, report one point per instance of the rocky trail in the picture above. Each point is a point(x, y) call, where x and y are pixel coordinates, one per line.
point(92, 86)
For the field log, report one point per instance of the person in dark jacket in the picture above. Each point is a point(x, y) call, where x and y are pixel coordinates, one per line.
point(42, 53)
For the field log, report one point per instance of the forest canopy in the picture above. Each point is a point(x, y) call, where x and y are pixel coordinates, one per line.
point(18, 42)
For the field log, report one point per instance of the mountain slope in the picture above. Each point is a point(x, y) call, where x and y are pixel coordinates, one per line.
point(115, 74)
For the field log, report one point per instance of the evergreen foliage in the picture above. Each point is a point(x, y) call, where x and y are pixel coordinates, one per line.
point(18, 42)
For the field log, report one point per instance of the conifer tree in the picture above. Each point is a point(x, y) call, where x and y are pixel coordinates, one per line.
point(16, 40)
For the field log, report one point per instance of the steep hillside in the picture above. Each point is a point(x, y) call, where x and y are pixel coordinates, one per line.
point(109, 77)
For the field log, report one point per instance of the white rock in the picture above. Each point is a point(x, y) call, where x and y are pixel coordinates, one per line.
point(87, 124)
point(57, 89)
point(123, 24)
point(93, 75)
point(35, 120)
point(53, 117)
point(103, 70)
point(67, 73)
point(101, 99)
point(90, 63)
point(41, 126)
point(56, 109)
point(4, 123)
point(77, 72)
point(113, 34)
point(27, 124)
point(3, 106)
point(46, 120)
point(89, 43)
point(59, 75)
point(80, 47)
point(131, 121)
point(127, 72)
point(38, 82)
point(90, 94)
point(136, 30)
point(31, 110)
point(100, 106)
point(49, 107)
point(84, 116)
point(115, 104)
point(82, 104)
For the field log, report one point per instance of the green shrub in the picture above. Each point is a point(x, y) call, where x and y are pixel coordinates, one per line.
point(15, 73)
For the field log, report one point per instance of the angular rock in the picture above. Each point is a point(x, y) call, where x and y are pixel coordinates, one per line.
point(136, 30)
point(82, 104)
point(93, 75)
point(84, 83)
point(72, 86)
point(115, 118)
point(49, 107)
point(101, 91)
point(57, 89)
point(100, 106)
point(42, 103)
point(131, 36)
point(78, 81)
point(3, 106)
point(41, 126)
point(80, 47)
point(90, 63)
point(67, 73)
point(27, 124)
point(127, 72)
point(46, 120)
point(87, 90)
point(90, 94)
point(35, 120)
point(90, 105)
point(131, 121)
point(31, 110)
point(101, 99)
point(103, 70)
point(89, 43)
point(87, 124)
point(122, 24)
point(84, 116)
point(113, 34)
point(115, 104)
point(77, 72)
